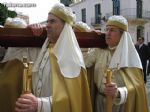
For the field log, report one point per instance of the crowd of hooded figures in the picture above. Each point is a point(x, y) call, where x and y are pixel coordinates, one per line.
point(61, 69)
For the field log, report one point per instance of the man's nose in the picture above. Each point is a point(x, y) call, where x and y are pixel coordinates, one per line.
point(48, 25)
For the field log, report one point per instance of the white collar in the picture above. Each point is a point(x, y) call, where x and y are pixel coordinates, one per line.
point(68, 53)
point(125, 54)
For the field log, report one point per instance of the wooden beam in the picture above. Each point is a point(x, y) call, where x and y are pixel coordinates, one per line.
point(17, 37)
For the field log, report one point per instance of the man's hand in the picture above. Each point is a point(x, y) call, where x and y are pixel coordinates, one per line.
point(111, 90)
point(26, 103)
point(37, 29)
point(98, 32)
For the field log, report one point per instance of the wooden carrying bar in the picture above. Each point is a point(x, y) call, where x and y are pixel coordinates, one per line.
point(19, 37)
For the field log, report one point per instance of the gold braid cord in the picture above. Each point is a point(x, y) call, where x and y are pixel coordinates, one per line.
point(27, 76)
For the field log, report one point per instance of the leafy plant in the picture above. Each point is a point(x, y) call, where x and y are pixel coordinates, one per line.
point(5, 13)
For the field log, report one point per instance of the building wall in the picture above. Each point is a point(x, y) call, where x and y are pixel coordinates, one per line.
point(106, 7)
point(146, 6)
point(90, 9)
point(127, 9)
point(147, 33)
point(125, 4)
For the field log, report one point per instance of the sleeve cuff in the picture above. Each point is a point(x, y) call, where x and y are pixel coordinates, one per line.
point(39, 105)
point(44, 104)
point(123, 96)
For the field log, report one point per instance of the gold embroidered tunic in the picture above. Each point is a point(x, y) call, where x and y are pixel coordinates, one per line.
point(129, 77)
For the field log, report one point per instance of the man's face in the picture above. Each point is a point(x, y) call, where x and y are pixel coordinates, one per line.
point(140, 41)
point(113, 35)
point(54, 27)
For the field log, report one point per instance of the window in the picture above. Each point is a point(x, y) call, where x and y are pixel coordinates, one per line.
point(83, 12)
point(139, 8)
point(116, 7)
point(140, 31)
point(97, 14)
point(66, 2)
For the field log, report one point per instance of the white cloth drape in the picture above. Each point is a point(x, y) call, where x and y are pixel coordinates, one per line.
point(125, 54)
point(68, 53)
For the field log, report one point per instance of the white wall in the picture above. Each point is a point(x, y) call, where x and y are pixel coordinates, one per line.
point(106, 7)
point(90, 9)
point(126, 4)
point(133, 31)
point(147, 32)
point(146, 4)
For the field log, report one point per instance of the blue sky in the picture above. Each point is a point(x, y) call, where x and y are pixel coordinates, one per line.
point(37, 10)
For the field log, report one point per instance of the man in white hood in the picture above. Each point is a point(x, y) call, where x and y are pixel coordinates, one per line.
point(127, 88)
point(59, 75)
point(19, 52)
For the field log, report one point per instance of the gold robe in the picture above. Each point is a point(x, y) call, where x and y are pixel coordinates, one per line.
point(137, 98)
point(128, 77)
point(69, 94)
point(10, 84)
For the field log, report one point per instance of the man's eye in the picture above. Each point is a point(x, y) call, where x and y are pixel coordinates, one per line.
point(50, 21)
point(112, 30)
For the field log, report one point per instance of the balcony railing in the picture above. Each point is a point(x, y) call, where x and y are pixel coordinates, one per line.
point(131, 13)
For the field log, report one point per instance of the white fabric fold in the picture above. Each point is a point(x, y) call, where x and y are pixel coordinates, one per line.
point(44, 104)
point(123, 96)
point(40, 56)
point(125, 54)
point(68, 53)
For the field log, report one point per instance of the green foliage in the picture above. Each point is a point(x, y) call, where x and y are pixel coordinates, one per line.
point(12, 14)
point(5, 13)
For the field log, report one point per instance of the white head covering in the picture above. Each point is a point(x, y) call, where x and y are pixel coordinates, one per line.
point(82, 27)
point(68, 53)
point(66, 49)
point(1, 26)
point(15, 23)
point(125, 54)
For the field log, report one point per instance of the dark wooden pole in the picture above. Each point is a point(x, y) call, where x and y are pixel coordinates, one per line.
point(17, 37)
